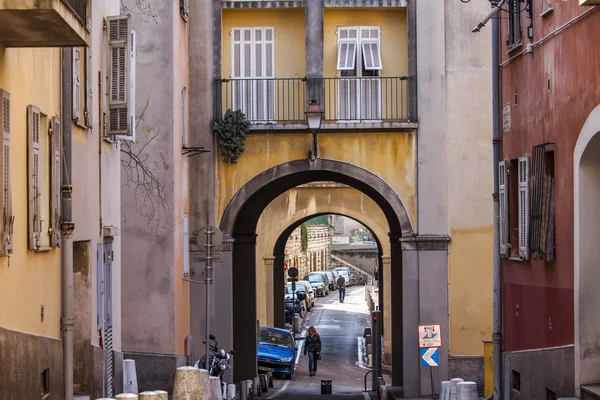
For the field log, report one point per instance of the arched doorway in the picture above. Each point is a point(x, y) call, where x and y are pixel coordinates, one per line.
point(237, 298)
point(587, 252)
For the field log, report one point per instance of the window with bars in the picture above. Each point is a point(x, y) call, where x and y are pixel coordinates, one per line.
point(542, 203)
point(253, 70)
point(33, 177)
point(514, 24)
point(6, 226)
point(503, 205)
point(523, 180)
point(122, 62)
point(359, 64)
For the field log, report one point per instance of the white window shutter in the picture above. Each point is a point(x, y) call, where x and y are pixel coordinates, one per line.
point(55, 175)
point(186, 245)
point(33, 177)
point(76, 54)
point(503, 206)
point(347, 43)
point(524, 207)
point(131, 93)
point(183, 116)
point(119, 101)
point(6, 243)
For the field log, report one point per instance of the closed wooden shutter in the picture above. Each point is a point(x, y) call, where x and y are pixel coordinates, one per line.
point(120, 96)
point(77, 54)
point(33, 177)
point(6, 244)
point(503, 205)
point(523, 207)
point(55, 175)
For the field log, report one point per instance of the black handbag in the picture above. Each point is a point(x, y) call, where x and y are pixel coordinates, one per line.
point(319, 356)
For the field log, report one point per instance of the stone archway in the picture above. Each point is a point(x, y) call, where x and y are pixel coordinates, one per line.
point(235, 296)
point(587, 252)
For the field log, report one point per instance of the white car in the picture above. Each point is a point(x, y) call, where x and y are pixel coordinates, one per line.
point(306, 304)
point(309, 290)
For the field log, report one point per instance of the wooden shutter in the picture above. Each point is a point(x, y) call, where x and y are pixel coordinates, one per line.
point(33, 176)
point(503, 205)
point(6, 240)
point(119, 87)
point(371, 47)
point(184, 8)
point(55, 175)
point(77, 53)
point(183, 116)
point(347, 43)
point(523, 207)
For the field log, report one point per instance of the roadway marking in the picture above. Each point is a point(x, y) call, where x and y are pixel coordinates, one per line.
point(366, 396)
point(360, 363)
point(283, 388)
point(299, 350)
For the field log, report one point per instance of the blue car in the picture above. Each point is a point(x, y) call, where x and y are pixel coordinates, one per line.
point(276, 351)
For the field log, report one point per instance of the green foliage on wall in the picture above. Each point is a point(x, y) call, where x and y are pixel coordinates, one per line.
point(231, 135)
point(320, 220)
point(304, 237)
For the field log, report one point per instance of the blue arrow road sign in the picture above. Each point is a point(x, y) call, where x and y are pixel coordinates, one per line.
point(430, 357)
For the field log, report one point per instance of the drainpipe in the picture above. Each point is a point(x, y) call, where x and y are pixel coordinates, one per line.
point(67, 226)
point(497, 334)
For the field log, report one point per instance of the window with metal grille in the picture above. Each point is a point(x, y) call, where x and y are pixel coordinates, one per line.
point(541, 240)
point(514, 24)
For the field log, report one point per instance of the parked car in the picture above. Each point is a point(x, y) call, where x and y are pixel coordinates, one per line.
point(319, 282)
point(276, 351)
point(309, 289)
point(293, 307)
point(332, 279)
point(345, 271)
point(299, 289)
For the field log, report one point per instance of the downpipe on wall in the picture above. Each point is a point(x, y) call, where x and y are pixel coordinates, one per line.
point(497, 299)
point(67, 226)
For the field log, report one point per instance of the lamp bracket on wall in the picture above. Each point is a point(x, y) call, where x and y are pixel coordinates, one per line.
point(193, 151)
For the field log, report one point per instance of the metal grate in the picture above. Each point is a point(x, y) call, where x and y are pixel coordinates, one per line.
point(541, 239)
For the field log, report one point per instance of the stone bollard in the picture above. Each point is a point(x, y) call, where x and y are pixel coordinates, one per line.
point(369, 349)
point(270, 380)
point(106, 398)
point(215, 388)
point(263, 383)
point(130, 377)
point(191, 384)
point(162, 395)
point(467, 391)
point(244, 395)
point(250, 388)
point(230, 392)
point(129, 396)
point(445, 390)
point(256, 386)
point(454, 388)
point(148, 396)
point(370, 361)
point(368, 340)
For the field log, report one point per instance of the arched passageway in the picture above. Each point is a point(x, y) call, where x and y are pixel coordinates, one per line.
point(587, 252)
point(279, 277)
point(239, 223)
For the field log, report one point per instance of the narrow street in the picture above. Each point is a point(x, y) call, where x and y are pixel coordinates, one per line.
point(341, 327)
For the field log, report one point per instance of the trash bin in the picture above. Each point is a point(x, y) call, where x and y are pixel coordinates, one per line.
point(325, 386)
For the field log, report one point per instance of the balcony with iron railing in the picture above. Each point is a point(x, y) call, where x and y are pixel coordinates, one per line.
point(43, 23)
point(280, 103)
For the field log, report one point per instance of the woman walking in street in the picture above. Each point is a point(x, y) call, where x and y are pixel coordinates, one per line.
point(313, 348)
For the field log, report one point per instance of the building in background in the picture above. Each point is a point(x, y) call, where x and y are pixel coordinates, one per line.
point(549, 186)
point(309, 247)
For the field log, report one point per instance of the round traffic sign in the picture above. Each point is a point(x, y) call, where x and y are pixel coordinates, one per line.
point(293, 272)
point(209, 235)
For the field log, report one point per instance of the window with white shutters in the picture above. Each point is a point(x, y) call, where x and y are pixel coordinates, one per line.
point(253, 70)
point(183, 116)
point(121, 77)
point(523, 172)
point(186, 245)
point(503, 205)
point(6, 244)
point(34, 177)
point(359, 65)
point(55, 176)
point(184, 9)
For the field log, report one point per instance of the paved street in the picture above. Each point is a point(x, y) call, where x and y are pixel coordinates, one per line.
point(340, 327)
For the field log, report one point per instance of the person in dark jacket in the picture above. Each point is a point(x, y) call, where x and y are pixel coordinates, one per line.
point(313, 349)
point(341, 281)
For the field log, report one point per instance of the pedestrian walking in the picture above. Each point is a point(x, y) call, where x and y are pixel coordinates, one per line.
point(313, 349)
point(341, 281)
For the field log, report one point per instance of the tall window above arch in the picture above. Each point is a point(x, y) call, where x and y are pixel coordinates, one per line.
point(514, 24)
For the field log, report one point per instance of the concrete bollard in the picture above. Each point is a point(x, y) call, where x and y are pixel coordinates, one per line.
point(244, 390)
point(250, 386)
point(215, 387)
point(230, 392)
point(454, 388)
point(368, 340)
point(263, 383)
point(129, 396)
point(370, 361)
point(270, 383)
point(148, 396)
point(130, 384)
point(191, 384)
point(162, 395)
point(106, 398)
point(256, 386)
point(467, 391)
point(445, 390)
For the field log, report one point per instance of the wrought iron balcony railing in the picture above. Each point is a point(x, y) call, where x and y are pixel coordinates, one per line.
point(78, 7)
point(343, 100)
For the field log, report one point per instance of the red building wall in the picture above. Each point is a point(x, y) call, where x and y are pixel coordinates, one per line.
point(570, 59)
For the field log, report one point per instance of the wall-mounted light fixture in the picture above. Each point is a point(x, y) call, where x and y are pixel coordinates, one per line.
point(314, 116)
